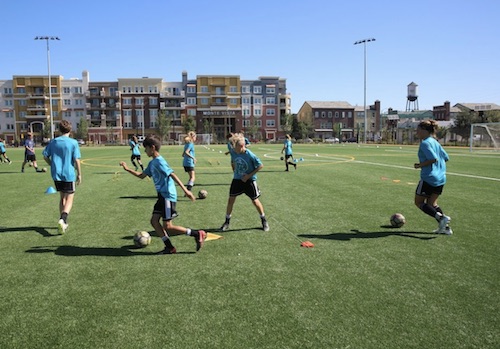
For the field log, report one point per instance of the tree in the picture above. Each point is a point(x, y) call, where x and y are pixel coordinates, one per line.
point(189, 124)
point(305, 128)
point(46, 130)
point(286, 123)
point(253, 131)
point(82, 129)
point(163, 124)
point(462, 123)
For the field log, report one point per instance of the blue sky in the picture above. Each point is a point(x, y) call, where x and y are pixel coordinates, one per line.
point(449, 48)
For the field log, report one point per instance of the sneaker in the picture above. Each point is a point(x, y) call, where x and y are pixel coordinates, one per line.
point(446, 231)
point(61, 227)
point(22, 170)
point(200, 239)
point(265, 225)
point(225, 226)
point(10, 162)
point(295, 166)
point(443, 222)
point(168, 251)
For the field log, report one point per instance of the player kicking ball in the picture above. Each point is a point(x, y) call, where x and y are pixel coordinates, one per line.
point(164, 180)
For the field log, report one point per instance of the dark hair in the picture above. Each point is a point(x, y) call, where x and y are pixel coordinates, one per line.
point(429, 125)
point(152, 140)
point(65, 126)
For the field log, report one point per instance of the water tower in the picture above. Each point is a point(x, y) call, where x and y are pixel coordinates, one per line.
point(412, 97)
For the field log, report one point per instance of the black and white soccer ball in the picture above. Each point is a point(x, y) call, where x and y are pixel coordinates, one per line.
point(142, 239)
point(398, 220)
point(202, 194)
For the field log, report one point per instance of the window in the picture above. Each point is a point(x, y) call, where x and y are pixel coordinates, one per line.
point(270, 112)
point(336, 115)
point(139, 101)
point(257, 89)
point(270, 90)
point(204, 89)
point(191, 112)
point(22, 102)
point(204, 101)
point(349, 114)
point(245, 100)
point(258, 123)
point(153, 101)
point(77, 89)
point(246, 112)
point(330, 115)
point(127, 101)
point(139, 113)
point(233, 101)
point(67, 114)
point(78, 101)
point(191, 89)
point(316, 114)
point(21, 90)
point(246, 123)
point(66, 90)
point(153, 113)
point(257, 112)
point(79, 114)
point(67, 102)
point(270, 123)
point(191, 101)
point(270, 100)
point(233, 89)
point(257, 100)
point(53, 89)
point(245, 89)
point(323, 115)
point(7, 90)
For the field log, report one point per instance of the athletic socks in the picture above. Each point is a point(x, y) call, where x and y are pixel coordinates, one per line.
point(64, 217)
point(167, 242)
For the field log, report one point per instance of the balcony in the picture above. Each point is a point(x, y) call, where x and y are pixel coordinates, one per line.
point(34, 107)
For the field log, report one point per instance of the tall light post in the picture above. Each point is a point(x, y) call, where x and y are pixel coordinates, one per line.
point(47, 39)
point(364, 41)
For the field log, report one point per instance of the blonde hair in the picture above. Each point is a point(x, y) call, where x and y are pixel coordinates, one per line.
point(237, 138)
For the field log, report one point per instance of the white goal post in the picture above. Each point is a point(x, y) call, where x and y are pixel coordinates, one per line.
point(485, 136)
point(201, 138)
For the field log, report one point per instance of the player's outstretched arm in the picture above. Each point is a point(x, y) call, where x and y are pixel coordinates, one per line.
point(140, 175)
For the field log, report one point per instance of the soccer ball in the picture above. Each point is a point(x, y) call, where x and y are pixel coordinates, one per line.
point(202, 194)
point(282, 158)
point(398, 220)
point(44, 169)
point(142, 239)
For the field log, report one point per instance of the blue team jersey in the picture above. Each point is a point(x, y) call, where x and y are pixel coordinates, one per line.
point(188, 161)
point(160, 171)
point(245, 163)
point(434, 174)
point(63, 152)
point(135, 147)
point(288, 147)
point(2, 147)
point(31, 144)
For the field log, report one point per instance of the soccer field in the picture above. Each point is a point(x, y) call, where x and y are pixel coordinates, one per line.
point(362, 285)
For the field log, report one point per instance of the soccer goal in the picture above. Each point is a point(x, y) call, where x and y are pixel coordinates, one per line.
point(485, 136)
point(201, 138)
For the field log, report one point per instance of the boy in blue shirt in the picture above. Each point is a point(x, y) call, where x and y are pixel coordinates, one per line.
point(63, 156)
point(189, 159)
point(287, 148)
point(3, 152)
point(246, 165)
point(136, 153)
point(432, 162)
point(164, 180)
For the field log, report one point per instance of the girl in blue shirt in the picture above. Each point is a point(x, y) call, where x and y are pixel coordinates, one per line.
point(189, 160)
point(432, 162)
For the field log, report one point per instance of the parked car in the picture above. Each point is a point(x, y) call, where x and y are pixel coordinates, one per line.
point(352, 140)
point(80, 141)
point(332, 140)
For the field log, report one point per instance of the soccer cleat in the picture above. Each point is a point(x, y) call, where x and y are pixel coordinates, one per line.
point(443, 223)
point(265, 225)
point(200, 239)
point(295, 166)
point(168, 251)
point(225, 226)
point(61, 227)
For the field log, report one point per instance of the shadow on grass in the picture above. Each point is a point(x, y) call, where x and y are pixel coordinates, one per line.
point(358, 234)
point(40, 230)
point(137, 197)
point(76, 251)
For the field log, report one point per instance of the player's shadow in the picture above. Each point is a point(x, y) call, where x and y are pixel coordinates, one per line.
point(40, 230)
point(137, 197)
point(358, 234)
point(218, 231)
point(77, 251)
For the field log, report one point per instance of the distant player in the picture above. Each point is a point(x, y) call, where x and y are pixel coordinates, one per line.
point(164, 180)
point(189, 159)
point(63, 156)
point(29, 152)
point(3, 152)
point(246, 166)
point(136, 153)
point(287, 149)
point(432, 162)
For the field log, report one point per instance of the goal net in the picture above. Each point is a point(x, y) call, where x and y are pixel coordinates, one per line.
point(201, 138)
point(485, 136)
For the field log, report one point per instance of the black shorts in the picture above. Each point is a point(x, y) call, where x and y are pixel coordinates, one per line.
point(288, 156)
point(425, 189)
point(188, 168)
point(165, 208)
point(249, 188)
point(133, 157)
point(65, 187)
point(31, 157)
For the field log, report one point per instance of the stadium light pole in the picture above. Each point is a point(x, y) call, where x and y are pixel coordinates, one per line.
point(47, 39)
point(364, 41)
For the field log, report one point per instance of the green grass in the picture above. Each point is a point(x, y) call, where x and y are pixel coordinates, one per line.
point(363, 285)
